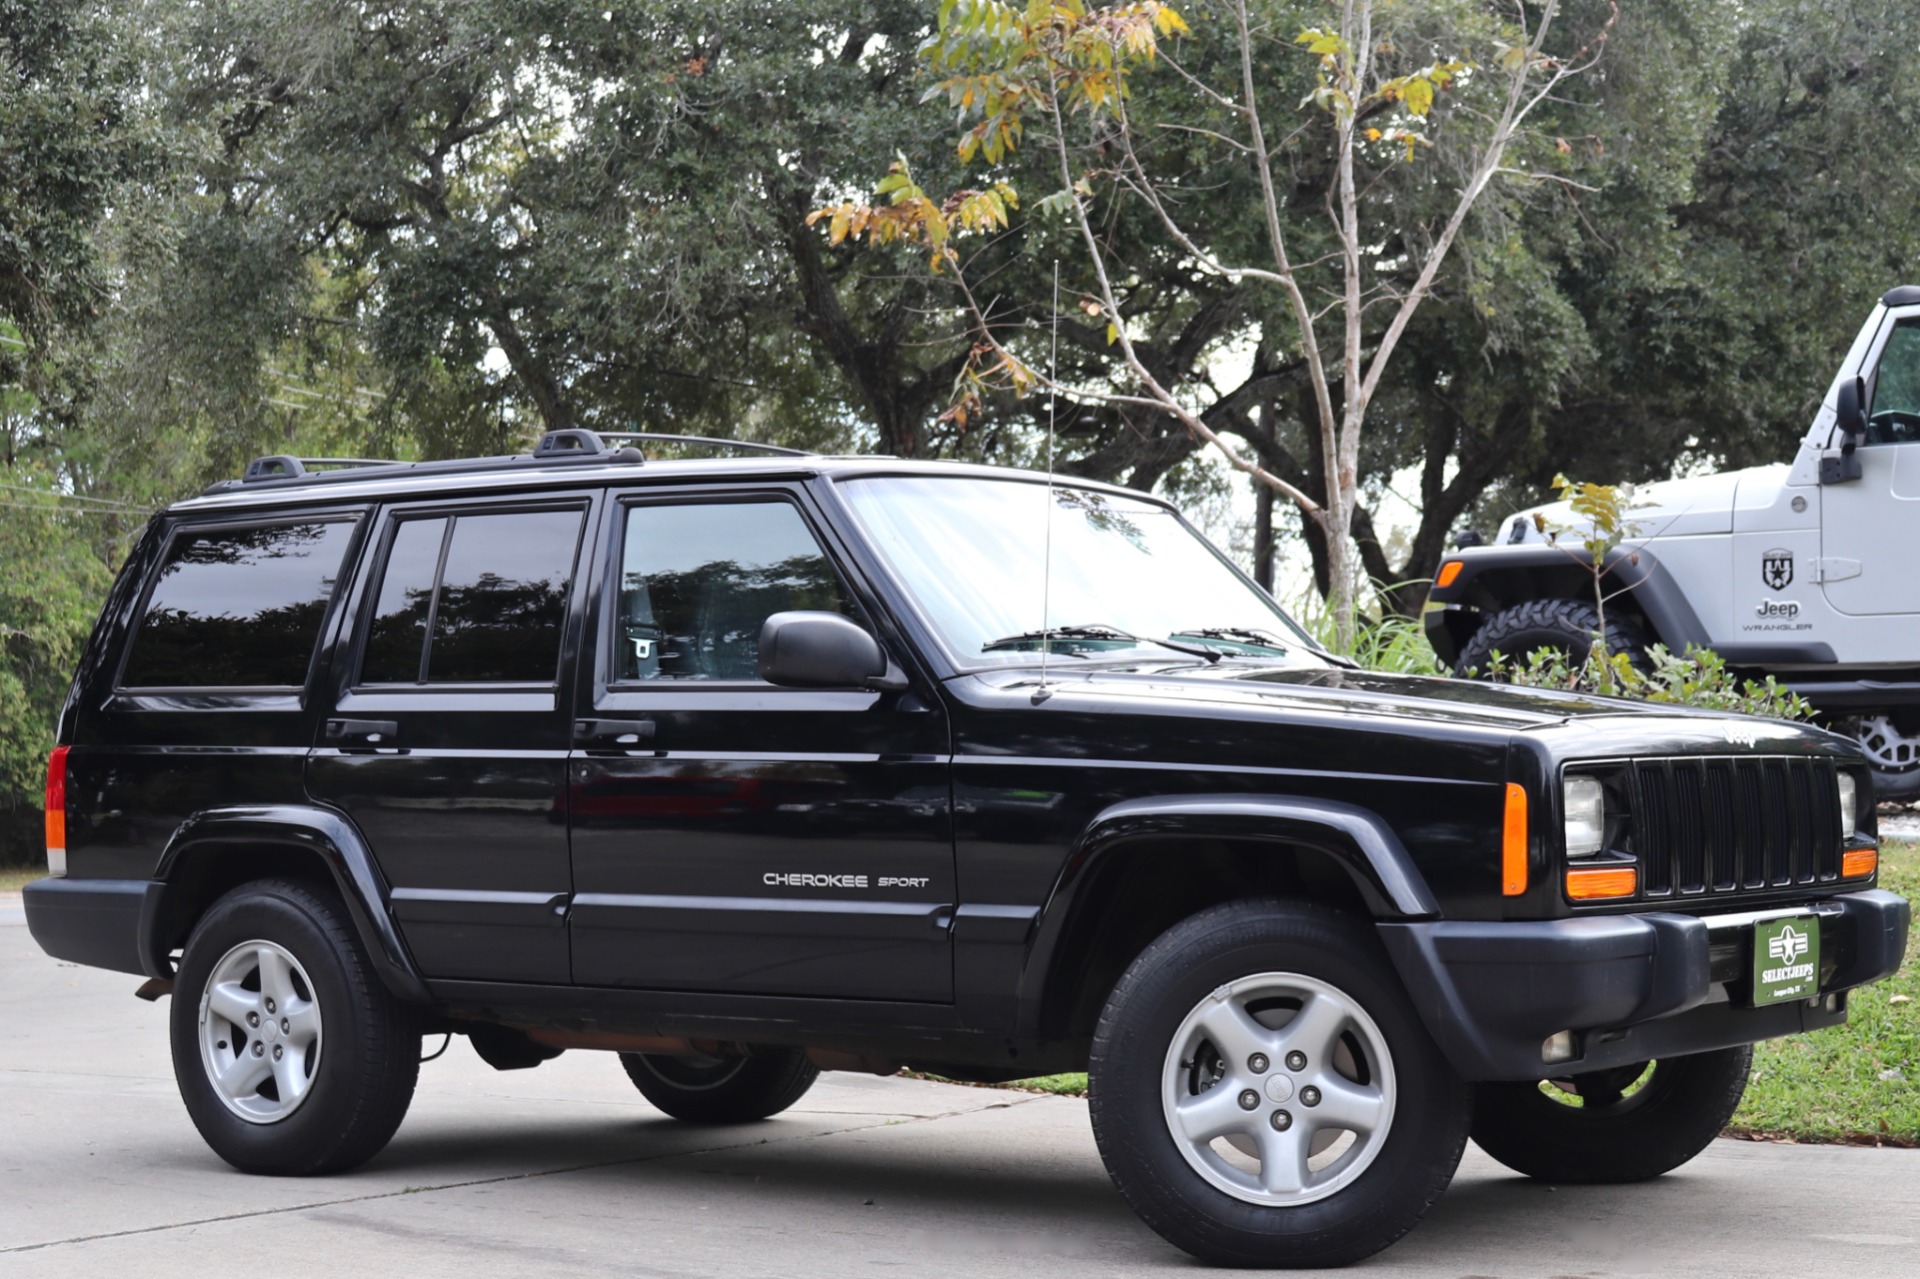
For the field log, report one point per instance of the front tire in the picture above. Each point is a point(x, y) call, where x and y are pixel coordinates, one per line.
point(1564, 626)
point(1612, 1126)
point(733, 1088)
point(1356, 1121)
point(290, 1055)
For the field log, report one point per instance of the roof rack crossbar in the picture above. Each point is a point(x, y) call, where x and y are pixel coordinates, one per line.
point(751, 446)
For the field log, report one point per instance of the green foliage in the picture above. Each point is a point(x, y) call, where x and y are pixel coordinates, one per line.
point(1698, 678)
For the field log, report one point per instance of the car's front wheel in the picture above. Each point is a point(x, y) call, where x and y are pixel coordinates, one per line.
point(290, 1055)
point(1631, 1123)
point(727, 1088)
point(1264, 1093)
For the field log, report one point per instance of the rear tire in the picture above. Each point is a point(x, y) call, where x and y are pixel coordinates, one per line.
point(1565, 626)
point(736, 1088)
point(1617, 1133)
point(1294, 1008)
point(290, 1055)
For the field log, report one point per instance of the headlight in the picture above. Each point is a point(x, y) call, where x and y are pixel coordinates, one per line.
point(1584, 801)
point(1849, 811)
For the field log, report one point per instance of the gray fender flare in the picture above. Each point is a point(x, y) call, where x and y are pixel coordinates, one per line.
point(323, 832)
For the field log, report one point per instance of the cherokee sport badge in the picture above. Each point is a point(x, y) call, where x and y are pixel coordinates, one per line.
point(1776, 569)
point(1786, 960)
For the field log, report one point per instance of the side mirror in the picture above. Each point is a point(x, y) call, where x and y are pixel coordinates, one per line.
point(823, 650)
point(1850, 419)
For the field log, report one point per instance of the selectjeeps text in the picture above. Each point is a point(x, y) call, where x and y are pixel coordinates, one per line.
point(750, 767)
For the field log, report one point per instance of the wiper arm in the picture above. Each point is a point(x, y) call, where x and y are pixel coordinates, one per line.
point(1244, 634)
point(1095, 631)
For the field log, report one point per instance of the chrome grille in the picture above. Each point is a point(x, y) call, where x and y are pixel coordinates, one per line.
point(1705, 826)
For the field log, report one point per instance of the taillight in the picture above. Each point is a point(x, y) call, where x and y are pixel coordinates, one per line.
point(57, 811)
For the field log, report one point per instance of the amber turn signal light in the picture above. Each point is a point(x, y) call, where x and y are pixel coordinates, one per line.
point(1596, 883)
point(1448, 572)
point(1513, 842)
point(1856, 862)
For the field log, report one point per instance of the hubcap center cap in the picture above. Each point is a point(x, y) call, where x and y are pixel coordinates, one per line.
point(1279, 1088)
point(270, 1030)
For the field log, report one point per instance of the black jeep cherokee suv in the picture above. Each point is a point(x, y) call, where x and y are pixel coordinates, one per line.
point(749, 767)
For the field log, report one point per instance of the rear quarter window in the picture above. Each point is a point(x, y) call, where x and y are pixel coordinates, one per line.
point(238, 607)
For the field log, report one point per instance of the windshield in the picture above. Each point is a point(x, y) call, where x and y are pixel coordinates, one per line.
point(1128, 577)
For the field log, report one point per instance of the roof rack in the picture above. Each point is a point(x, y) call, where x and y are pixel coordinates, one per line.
point(576, 445)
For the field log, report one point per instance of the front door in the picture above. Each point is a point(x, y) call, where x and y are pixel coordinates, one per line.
point(447, 742)
point(1869, 526)
point(728, 835)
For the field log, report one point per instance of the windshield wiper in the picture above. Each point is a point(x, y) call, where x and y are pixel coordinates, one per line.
point(1095, 631)
point(1243, 634)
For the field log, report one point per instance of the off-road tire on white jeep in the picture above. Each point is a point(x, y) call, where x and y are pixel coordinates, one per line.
point(1567, 626)
point(284, 960)
point(1274, 982)
point(1616, 1132)
point(736, 1088)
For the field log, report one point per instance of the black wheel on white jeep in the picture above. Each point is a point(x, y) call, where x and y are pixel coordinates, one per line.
point(1631, 1123)
point(290, 1055)
point(1892, 753)
point(1564, 626)
point(729, 1088)
point(1264, 1093)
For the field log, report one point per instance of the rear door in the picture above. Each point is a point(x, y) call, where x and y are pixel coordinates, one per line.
point(728, 835)
point(447, 741)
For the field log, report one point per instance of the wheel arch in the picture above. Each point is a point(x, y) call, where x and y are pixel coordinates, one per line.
point(1491, 578)
point(217, 850)
point(1143, 865)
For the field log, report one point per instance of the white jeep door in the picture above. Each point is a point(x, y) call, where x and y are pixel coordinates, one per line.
point(1870, 527)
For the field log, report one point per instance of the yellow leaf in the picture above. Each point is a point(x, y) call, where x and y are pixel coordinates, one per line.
point(1419, 95)
point(1113, 333)
point(1373, 135)
point(838, 229)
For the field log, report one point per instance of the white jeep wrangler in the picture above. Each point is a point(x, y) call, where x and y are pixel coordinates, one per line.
point(1809, 571)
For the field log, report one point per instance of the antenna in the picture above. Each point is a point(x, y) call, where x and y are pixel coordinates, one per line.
point(1042, 693)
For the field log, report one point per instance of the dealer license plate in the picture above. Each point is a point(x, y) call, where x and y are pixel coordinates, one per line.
point(1786, 959)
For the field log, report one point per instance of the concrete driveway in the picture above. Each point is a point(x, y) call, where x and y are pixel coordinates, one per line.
point(563, 1170)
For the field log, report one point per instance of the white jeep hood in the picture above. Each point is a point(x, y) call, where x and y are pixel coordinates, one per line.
point(1670, 508)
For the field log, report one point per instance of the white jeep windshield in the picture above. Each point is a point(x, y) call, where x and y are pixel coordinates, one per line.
point(1127, 575)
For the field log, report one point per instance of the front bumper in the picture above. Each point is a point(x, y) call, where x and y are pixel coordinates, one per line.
point(1630, 987)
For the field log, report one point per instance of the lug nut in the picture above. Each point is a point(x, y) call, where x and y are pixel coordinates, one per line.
point(1309, 1096)
point(1296, 1060)
point(1258, 1063)
point(269, 1005)
point(1249, 1099)
point(286, 1026)
point(1282, 1121)
point(253, 1019)
point(259, 1049)
point(276, 1052)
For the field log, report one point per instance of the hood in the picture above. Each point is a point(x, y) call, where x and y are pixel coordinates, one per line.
point(1669, 508)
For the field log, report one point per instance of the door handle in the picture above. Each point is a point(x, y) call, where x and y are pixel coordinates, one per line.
point(628, 733)
point(364, 732)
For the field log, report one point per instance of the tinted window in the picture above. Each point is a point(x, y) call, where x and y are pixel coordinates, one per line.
point(238, 608)
point(397, 641)
point(503, 597)
point(1895, 418)
point(696, 582)
point(492, 591)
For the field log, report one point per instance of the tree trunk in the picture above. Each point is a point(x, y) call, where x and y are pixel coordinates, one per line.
point(1263, 535)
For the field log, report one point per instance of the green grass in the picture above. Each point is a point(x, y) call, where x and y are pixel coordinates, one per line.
point(1828, 1085)
point(1821, 1087)
point(12, 877)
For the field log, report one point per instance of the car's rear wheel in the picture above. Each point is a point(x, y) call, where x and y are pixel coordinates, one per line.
point(1567, 627)
point(1264, 1093)
point(290, 1055)
point(728, 1088)
point(1628, 1124)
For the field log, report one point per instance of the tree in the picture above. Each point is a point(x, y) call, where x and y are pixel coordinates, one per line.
point(1071, 71)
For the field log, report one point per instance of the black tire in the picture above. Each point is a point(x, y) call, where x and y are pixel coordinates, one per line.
point(1881, 737)
point(737, 1088)
point(1617, 1133)
point(1566, 626)
point(364, 1063)
point(1139, 1040)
